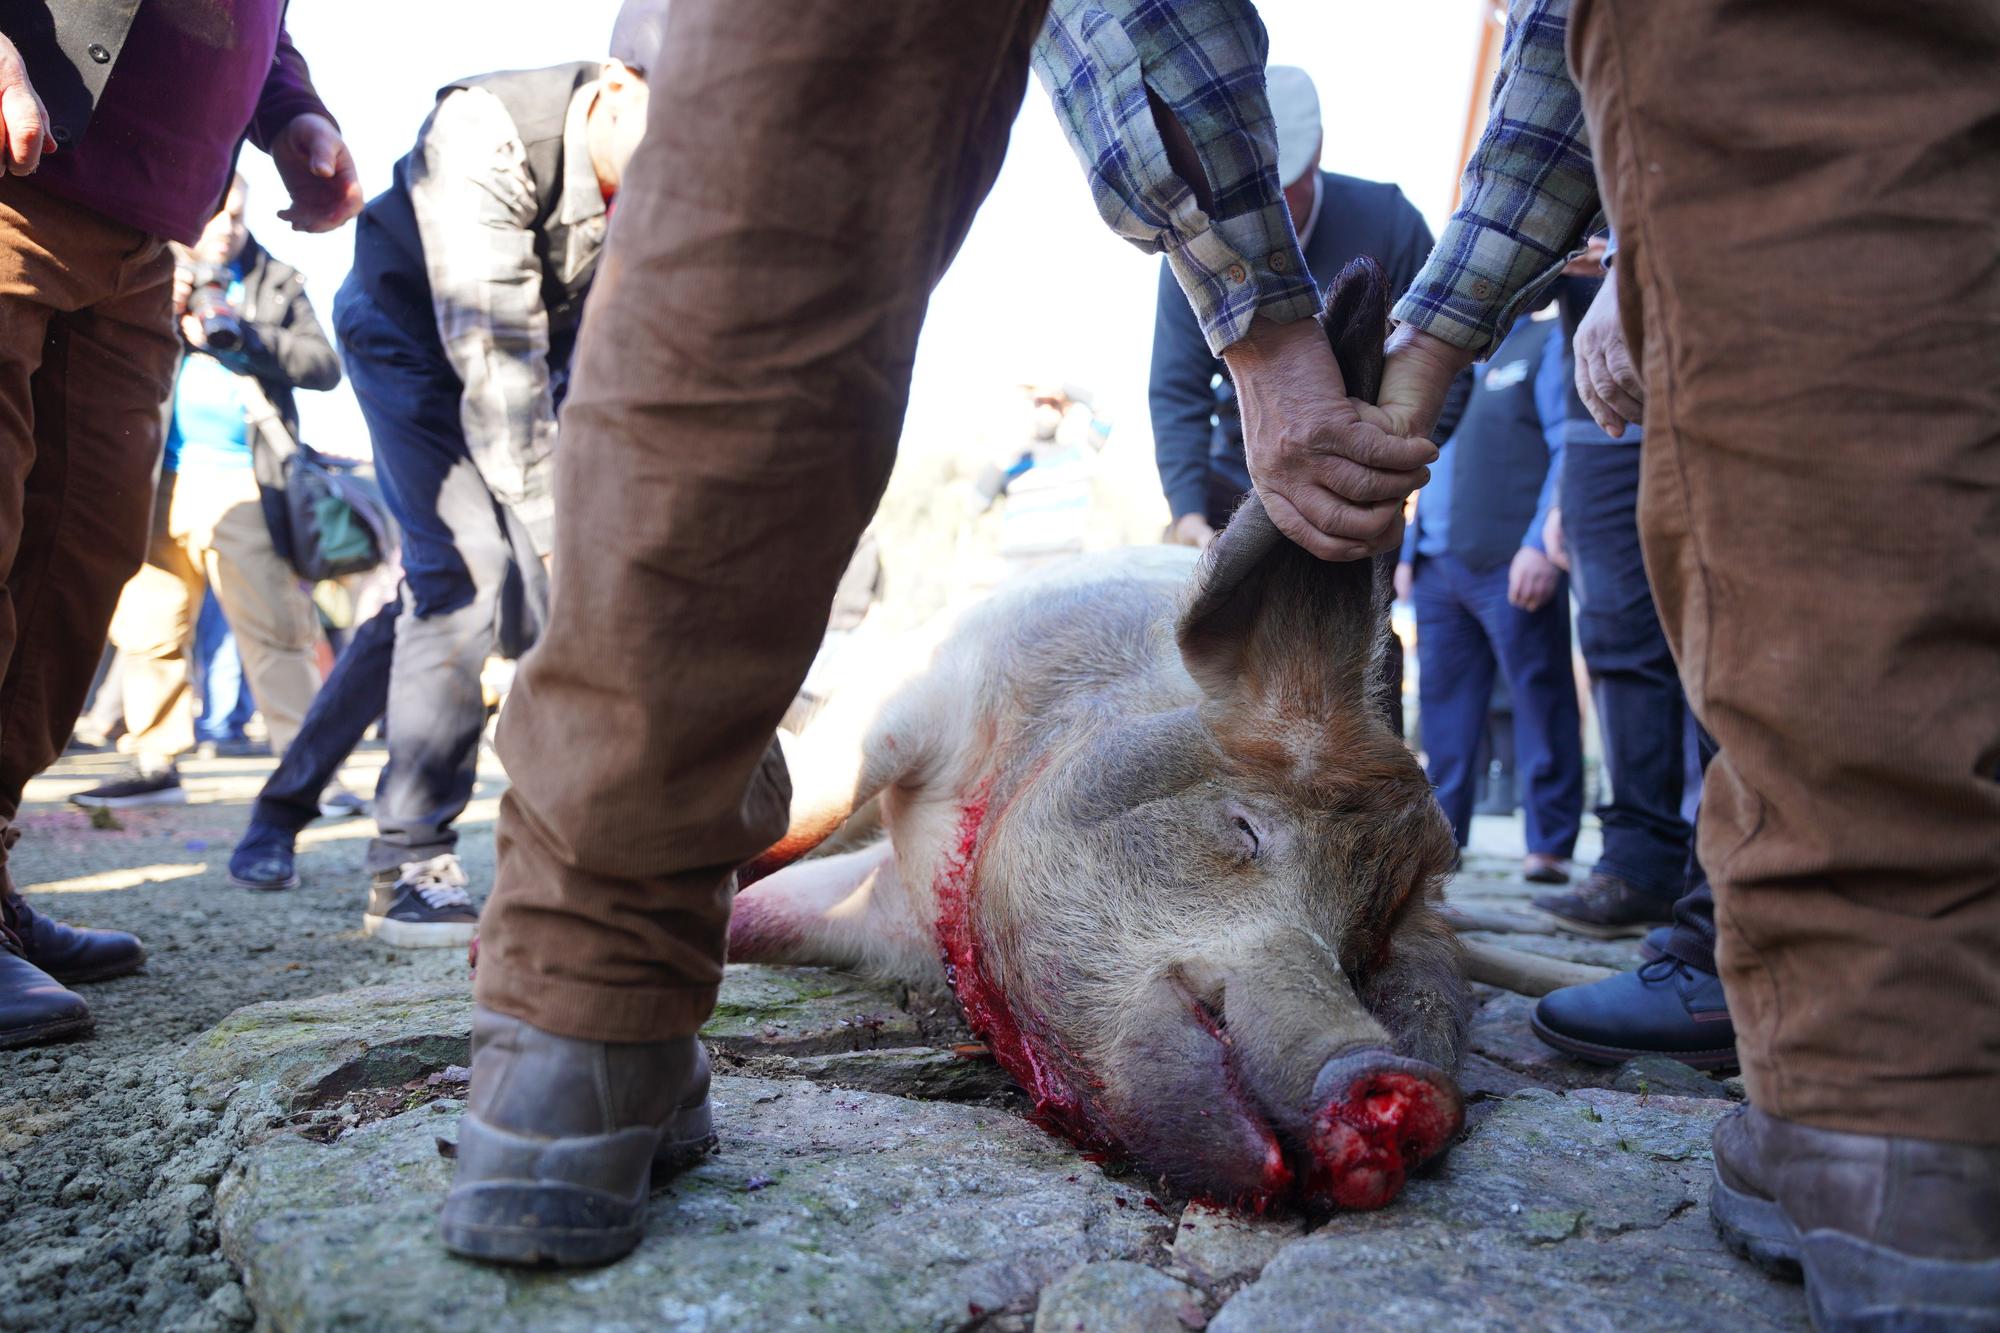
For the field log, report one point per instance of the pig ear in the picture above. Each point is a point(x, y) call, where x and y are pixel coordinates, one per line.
point(1230, 611)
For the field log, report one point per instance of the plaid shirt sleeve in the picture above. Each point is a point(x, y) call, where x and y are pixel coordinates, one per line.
point(475, 209)
point(1529, 193)
point(1203, 60)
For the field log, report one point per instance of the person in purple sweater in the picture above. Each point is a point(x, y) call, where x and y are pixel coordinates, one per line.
point(110, 151)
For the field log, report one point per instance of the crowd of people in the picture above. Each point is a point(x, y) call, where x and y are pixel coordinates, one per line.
point(1752, 432)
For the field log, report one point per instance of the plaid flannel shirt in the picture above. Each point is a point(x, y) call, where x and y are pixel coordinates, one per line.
point(475, 208)
point(1204, 62)
point(1529, 195)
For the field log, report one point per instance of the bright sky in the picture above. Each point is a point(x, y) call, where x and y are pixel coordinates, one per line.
point(1041, 289)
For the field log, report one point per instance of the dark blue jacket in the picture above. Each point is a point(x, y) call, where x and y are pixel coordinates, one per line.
point(1495, 478)
point(1197, 434)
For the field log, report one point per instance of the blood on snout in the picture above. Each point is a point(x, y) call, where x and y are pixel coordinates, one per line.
point(1366, 1142)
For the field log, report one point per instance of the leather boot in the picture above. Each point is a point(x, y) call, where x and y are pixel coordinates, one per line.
point(70, 954)
point(33, 1005)
point(560, 1137)
point(1889, 1233)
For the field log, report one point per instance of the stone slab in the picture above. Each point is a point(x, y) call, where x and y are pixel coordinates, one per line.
point(822, 1208)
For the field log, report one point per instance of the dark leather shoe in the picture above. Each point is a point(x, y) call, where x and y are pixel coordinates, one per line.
point(1542, 868)
point(70, 954)
point(560, 1137)
point(1889, 1233)
point(1665, 1008)
point(33, 1005)
point(1605, 907)
point(264, 860)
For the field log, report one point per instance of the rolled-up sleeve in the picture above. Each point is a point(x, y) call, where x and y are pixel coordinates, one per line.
point(1529, 194)
point(1203, 63)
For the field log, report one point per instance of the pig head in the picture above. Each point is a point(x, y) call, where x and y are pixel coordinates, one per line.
point(1178, 870)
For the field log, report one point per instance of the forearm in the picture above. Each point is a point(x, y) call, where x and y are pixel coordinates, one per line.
point(1530, 194)
point(1165, 108)
point(288, 93)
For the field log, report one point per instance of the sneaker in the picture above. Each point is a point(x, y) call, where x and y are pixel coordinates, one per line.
point(337, 802)
point(422, 905)
point(1605, 907)
point(263, 860)
point(162, 788)
point(1656, 943)
point(233, 747)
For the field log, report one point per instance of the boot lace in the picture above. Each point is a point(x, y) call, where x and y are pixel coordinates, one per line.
point(440, 881)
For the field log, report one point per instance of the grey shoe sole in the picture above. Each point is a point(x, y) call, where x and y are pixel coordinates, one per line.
point(54, 1030)
point(1721, 1057)
point(418, 934)
point(171, 796)
point(531, 1205)
point(1853, 1285)
point(266, 885)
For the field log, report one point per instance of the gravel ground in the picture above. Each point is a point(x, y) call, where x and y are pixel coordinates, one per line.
point(107, 1170)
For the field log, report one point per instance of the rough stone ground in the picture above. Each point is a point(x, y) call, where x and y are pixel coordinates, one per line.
point(252, 1136)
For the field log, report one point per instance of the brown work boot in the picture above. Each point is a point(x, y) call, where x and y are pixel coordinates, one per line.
point(1605, 907)
point(1890, 1233)
point(560, 1138)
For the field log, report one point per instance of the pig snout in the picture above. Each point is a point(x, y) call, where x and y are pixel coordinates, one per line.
point(1379, 1117)
point(1261, 1078)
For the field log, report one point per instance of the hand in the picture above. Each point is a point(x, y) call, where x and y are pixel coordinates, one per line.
point(1552, 539)
point(1415, 379)
point(1606, 379)
point(193, 332)
point(317, 169)
point(1589, 262)
point(1191, 530)
point(24, 121)
point(1532, 579)
point(1331, 480)
point(1406, 576)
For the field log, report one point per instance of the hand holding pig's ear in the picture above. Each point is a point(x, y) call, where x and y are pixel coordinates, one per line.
point(1330, 480)
point(1416, 376)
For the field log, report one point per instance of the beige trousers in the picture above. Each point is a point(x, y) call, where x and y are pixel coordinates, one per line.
point(209, 531)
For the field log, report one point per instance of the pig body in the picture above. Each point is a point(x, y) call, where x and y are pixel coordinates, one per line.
point(1143, 819)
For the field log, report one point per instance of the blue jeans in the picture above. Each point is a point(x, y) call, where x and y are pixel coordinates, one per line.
point(226, 704)
point(1641, 711)
point(1465, 632)
point(471, 579)
point(350, 701)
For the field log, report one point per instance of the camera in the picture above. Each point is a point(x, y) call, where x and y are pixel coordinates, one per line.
point(208, 302)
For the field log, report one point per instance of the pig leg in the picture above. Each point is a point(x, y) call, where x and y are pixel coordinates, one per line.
point(838, 911)
point(1418, 991)
point(862, 742)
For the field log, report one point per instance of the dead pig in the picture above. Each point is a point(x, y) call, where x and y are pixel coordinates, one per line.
point(1144, 820)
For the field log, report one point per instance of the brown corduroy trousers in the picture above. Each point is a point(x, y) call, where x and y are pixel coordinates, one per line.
point(1807, 200)
point(808, 171)
point(87, 352)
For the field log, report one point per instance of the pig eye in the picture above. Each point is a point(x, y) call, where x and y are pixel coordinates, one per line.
point(1251, 843)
